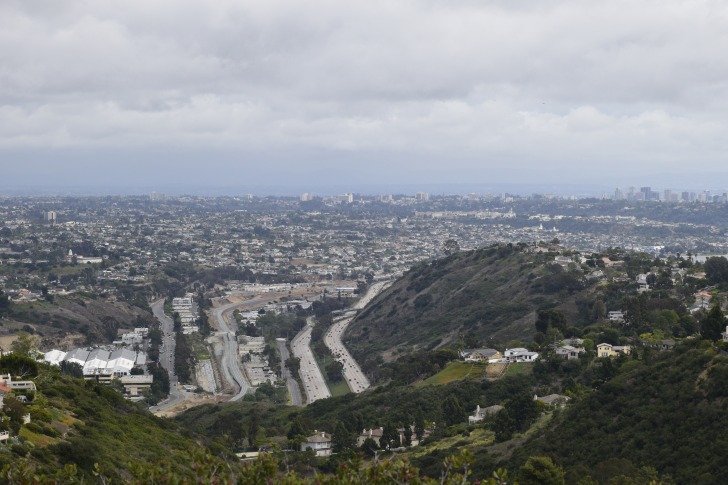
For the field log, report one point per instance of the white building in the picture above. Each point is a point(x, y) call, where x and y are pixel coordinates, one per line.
point(519, 354)
point(320, 443)
point(54, 357)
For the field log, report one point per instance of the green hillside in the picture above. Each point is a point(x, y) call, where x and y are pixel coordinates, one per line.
point(88, 426)
point(667, 413)
point(489, 295)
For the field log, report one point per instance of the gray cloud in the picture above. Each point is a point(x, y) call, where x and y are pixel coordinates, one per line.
point(549, 88)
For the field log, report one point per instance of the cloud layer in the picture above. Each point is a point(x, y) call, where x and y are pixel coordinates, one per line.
point(552, 88)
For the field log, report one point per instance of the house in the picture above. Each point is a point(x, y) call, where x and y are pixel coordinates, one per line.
point(519, 354)
point(481, 413)
point(725, 334)
point(319, 442)
point(616, 316)
point(480, 355)
point(609, 350)
point(567, 352)
point(556, 400)
point(374, 433)
point(8, 384)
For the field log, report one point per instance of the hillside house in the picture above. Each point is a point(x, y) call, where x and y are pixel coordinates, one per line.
point(7, 382)
point(568, 352)
point(480, 355)
point(319, 442)
point(609, 350)
point(374, 433)
point(725, 334)
point(481, 413)
point(519, 354)
point(616, 316)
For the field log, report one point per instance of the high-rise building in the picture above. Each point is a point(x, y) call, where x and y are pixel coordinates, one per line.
point(618, 194)
point(306, 197)
point(49, 216)
point(422, 196)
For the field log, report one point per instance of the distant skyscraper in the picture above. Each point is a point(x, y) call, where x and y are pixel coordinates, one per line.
point(422, 196)
point(305, 197)
point(618, 194)
point(49, 216)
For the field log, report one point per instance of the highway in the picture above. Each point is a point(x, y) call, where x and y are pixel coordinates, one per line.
point(166, 358)
point(353, 374)
point(229, 362)
point(293, 388)
point(313, 380)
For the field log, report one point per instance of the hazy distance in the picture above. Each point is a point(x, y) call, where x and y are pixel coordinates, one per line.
point(221, 96)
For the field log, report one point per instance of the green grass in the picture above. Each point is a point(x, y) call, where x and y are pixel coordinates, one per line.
point(199, 346)
point(520, 368)
point(456, 371)
point(336, 388)
point(339, 388)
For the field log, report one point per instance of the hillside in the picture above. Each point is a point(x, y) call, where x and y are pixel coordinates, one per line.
point(667, 413)
point(489, 295)
point(74, 319)
point(84, 424)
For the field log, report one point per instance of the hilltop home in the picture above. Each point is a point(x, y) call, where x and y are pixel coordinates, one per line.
point(609, 350)
point(725, 334)
point(480, 355)
point(319, 442)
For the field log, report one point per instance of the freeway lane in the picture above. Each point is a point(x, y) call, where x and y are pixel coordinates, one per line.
point(313, 380)
point(353, 374)
point(166, 358)
point(293, 389)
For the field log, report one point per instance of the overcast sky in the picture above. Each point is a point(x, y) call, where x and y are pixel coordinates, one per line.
point(234, 92)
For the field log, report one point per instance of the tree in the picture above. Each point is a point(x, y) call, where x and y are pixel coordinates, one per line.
point(716, 270)
point(540, 470)
point(369, 447)
point(599, 310)
point(523, 410)
point(419, 425)
point(453, 410)
point(343, 439)
point(19, 365)
point(503, 426)
point(4, 304)
point(297, 432)
point(407, 435)
point(713, 324)
point(253, 425)
point(390, 437)
point(334, 370)
point(25, 344)
point(550, 318)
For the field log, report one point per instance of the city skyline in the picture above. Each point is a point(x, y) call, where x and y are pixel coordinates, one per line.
point(210, 96)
